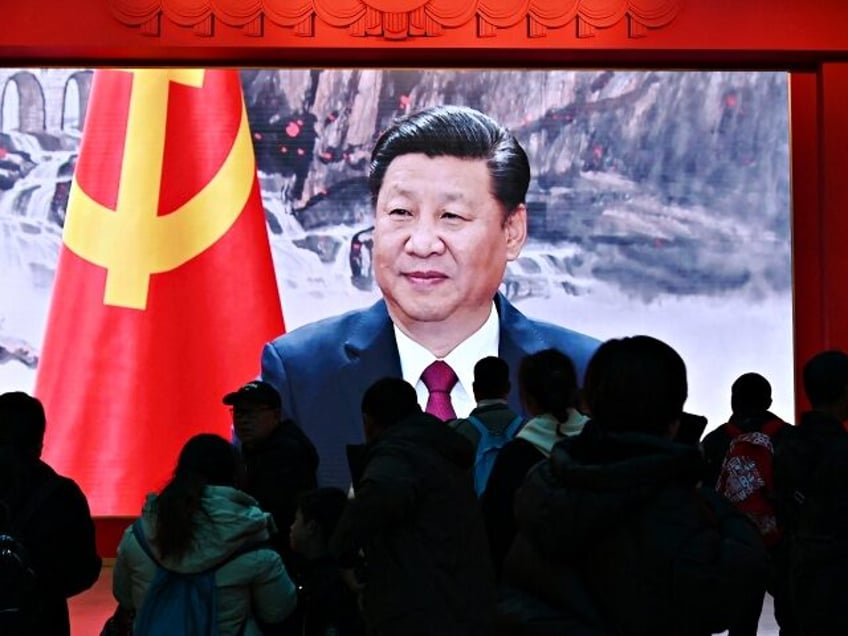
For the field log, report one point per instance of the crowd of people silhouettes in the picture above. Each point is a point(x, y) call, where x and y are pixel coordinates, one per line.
point(596, 519)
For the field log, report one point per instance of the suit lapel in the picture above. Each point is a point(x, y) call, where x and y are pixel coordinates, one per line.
point(369, 353)
point(517, 339)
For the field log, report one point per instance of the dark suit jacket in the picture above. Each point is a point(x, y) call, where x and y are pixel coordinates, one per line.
point(322, 369)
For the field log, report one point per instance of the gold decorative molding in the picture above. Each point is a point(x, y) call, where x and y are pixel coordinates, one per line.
point(397, 19)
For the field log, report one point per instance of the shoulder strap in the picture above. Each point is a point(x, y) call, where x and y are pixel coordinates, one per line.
point(47, 487)
point(732, 430)
point(514, 426)
point(138, 533)
point(509, 432)
point(478, 424)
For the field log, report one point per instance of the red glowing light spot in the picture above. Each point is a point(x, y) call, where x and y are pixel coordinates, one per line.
point(293, 128)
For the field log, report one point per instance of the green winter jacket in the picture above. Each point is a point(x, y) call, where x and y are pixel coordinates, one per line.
point(253, 586)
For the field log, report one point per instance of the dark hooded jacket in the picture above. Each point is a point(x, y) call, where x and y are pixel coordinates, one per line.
point(58, 535)
point(810, 473)
point(278, 469)
point(416, 518)
point(614, 533)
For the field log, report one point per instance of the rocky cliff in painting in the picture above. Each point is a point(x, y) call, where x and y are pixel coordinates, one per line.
point(668, 182)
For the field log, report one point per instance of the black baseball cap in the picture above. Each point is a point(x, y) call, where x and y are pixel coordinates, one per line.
point(257, 392)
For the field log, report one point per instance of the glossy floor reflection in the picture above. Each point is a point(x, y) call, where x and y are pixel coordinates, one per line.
point(90, 609)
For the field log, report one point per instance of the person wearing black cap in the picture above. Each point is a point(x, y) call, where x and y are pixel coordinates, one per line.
point(280, 461)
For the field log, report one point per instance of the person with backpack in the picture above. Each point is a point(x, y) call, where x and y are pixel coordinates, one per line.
point(615, 536)
point(547, 384)
point(47, 548)
point(750, 400)
point(492, 423)
point(416, 521)
point(811, 478)
point(740, 455)
point(203, 539)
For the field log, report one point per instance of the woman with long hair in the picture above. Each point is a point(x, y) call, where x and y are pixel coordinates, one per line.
point(201, 521)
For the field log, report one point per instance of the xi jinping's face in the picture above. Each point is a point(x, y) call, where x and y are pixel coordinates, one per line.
point(442, 241)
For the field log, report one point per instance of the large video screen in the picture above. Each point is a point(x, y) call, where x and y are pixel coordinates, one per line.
point(659, 203)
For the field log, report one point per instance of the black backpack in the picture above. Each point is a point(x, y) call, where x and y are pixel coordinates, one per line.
point(19, 597)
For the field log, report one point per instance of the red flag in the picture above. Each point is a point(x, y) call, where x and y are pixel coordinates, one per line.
point(165, 290)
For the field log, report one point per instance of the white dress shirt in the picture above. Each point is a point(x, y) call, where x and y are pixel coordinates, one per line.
point(414, 359)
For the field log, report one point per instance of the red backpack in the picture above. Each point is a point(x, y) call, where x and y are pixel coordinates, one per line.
point(747, 477)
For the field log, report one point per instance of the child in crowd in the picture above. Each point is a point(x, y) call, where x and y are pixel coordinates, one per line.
point(326, 605)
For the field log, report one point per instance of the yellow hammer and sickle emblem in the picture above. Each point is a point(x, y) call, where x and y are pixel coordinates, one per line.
point(132, 242)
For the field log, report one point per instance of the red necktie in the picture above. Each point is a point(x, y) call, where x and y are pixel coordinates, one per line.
point(439, 379)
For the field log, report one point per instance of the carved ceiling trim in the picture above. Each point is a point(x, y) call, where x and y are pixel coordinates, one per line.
point(396, 19)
